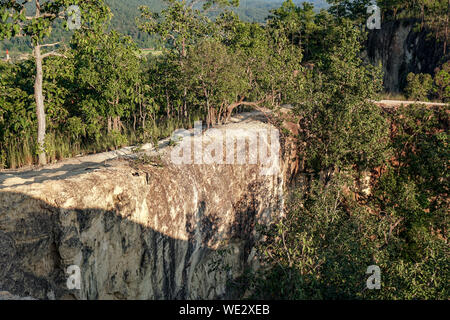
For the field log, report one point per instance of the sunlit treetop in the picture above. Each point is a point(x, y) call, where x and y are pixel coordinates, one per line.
point(35, 18)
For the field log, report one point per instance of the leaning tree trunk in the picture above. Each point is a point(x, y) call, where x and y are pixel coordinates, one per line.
point(446, 29)
point(40, 111)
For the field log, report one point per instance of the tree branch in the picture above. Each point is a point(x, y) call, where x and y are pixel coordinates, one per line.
point(50, 44)
point(53, 53)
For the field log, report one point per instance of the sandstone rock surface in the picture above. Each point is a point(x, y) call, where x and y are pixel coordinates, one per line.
point(135, 229)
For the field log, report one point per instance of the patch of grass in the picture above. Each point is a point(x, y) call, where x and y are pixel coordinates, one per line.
point(19, 153)
point(393, 96)
point(146, 52)
point(22, 151)
point(153, 160)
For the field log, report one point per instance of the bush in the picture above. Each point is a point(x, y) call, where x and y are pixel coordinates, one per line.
point(323, 246)
point(319, 250)
point(340, 127)
point(442, 82)
point(419, 86)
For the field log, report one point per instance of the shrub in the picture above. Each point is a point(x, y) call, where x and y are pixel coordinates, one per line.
point(442, 82)
point(419, 86)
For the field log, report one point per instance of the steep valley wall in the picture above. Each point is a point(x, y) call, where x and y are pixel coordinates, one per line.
point(136, 230)
point(402, 48)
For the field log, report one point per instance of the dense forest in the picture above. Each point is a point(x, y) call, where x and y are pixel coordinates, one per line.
point(100, 91)
point(124, 21)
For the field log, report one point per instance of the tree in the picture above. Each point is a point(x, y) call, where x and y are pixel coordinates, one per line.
point(179, 25)
point(391, 7)
point(340, 126)
point(353, 9)
point(286, 20)
point(438, 18)
point(216, 77)
point(442, 82)
point(271, 59)
point(332, 231)
point(38, 26)
point(434, 14)
point(16, 113)
point(107, 66)
point(419, 86)
point(320, 250)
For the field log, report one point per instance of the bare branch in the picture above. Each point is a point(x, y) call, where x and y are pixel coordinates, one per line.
point(53, 53)
point(50, 44)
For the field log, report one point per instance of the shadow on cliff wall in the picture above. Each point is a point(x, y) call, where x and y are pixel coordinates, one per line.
point(118, 258)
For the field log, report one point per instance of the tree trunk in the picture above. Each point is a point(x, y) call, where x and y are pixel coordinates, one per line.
point(168, 104)
point(183, 55)
point(208, 117)
point(446, 29)
point(40, 111)
point(143, 122)
point(422, 9)
point(116, 126)
point(109, 124)
point(116, 120)
point(231, 107)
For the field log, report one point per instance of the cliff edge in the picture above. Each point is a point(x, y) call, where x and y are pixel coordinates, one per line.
point(135, 225)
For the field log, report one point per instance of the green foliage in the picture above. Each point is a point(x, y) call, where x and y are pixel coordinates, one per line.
point(124, 18)
point(178, 24)
point(216, 66)
point(37, 27)
point(442, 82)
point(414, 189)
point(352, 9)
point(14, 20)
point(322, 247)
point(318, 251)
point(17, 113)
point(432, 14)
point(126, 12)
point(107, 66)
point(421, 147)
point(419, 86)
point(215, 76)
point(340, 126)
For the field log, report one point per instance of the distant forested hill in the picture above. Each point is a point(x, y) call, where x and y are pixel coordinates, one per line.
point(126, 11)
point(124, 20)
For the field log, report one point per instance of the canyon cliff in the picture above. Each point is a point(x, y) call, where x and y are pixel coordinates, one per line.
point(402, 47)
point(136, 228)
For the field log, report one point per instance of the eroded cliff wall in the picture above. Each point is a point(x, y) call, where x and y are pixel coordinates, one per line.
point(402, 47)
point(136, 229)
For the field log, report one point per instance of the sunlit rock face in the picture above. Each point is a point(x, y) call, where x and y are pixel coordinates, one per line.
point(135, 229)
point(402, 48)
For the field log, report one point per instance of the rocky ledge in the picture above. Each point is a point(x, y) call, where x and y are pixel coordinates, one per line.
point(135, 226)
